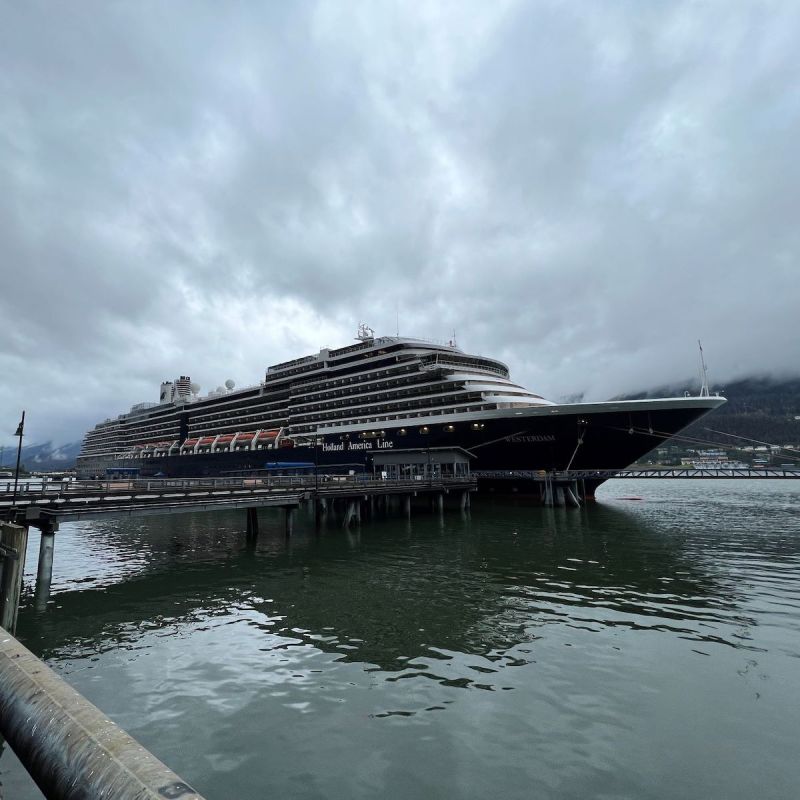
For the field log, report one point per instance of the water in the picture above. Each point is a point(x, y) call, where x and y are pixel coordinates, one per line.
point(641, 648)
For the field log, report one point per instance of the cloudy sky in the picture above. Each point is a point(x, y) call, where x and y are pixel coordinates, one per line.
point(582, 189)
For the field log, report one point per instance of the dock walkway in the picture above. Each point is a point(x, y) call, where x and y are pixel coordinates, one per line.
point(39, 502)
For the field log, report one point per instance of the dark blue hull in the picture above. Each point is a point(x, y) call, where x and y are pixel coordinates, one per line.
point(574, 437)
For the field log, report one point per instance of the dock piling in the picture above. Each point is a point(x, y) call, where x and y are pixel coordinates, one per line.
point(44, 571)
point(349, 514)
point(571, 495)
point(13, 545)
point(548, 493)
point(252, 523)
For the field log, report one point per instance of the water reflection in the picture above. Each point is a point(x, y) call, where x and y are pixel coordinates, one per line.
point(394, 591)
point(516, 651)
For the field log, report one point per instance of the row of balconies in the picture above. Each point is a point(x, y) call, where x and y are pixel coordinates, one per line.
point(414, 405)
point(429, 412)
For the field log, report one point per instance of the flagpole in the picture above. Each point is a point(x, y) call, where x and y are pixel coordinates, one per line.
point(20, 428)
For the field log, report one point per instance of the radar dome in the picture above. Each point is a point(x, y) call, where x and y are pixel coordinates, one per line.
point(219, 390)
point(195, 387)
point(229, 384)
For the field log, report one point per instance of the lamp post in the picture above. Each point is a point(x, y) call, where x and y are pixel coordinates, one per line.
point(19, 433)
point(430, 468)
point(316, 466)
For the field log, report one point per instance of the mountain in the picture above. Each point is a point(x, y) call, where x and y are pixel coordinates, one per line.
point(759, 410)
point(42, 457)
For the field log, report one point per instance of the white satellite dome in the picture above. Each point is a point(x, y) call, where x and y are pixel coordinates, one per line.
point(229, 384)
point(195, 387)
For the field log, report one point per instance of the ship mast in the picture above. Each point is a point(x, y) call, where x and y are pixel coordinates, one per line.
point(704, 392)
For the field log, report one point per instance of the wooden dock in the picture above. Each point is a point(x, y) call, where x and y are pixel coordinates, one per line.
point(39, 503)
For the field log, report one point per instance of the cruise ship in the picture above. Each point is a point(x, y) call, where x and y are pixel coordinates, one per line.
point(340, 409)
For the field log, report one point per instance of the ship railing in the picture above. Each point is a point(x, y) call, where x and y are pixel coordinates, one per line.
point(462, 362)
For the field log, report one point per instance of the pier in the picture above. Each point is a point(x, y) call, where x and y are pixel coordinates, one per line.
point(663, 472)
point(573, 487)
point(45, 505)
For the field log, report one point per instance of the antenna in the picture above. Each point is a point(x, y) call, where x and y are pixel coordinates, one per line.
point(397, 317)
point(703, 373)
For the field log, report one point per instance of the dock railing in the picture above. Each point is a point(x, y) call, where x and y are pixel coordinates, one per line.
point(661, 472)
point(286, 482)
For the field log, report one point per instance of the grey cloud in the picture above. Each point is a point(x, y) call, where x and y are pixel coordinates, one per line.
point(580, 190)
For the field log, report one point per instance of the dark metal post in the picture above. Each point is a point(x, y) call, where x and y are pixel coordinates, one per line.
point(316, 481)
point(316, 465)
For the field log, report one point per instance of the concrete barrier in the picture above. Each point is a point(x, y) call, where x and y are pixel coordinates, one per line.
point(70, 748)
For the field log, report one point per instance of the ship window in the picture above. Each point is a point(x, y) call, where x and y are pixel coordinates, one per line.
point(449, 428)
point(424, 429)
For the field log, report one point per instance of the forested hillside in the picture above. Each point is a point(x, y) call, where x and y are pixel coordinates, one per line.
point(762, 409)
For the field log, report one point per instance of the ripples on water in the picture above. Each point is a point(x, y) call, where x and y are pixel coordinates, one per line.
point(640, 648)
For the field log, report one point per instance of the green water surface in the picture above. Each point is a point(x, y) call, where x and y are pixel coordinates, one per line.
point(639, 648)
